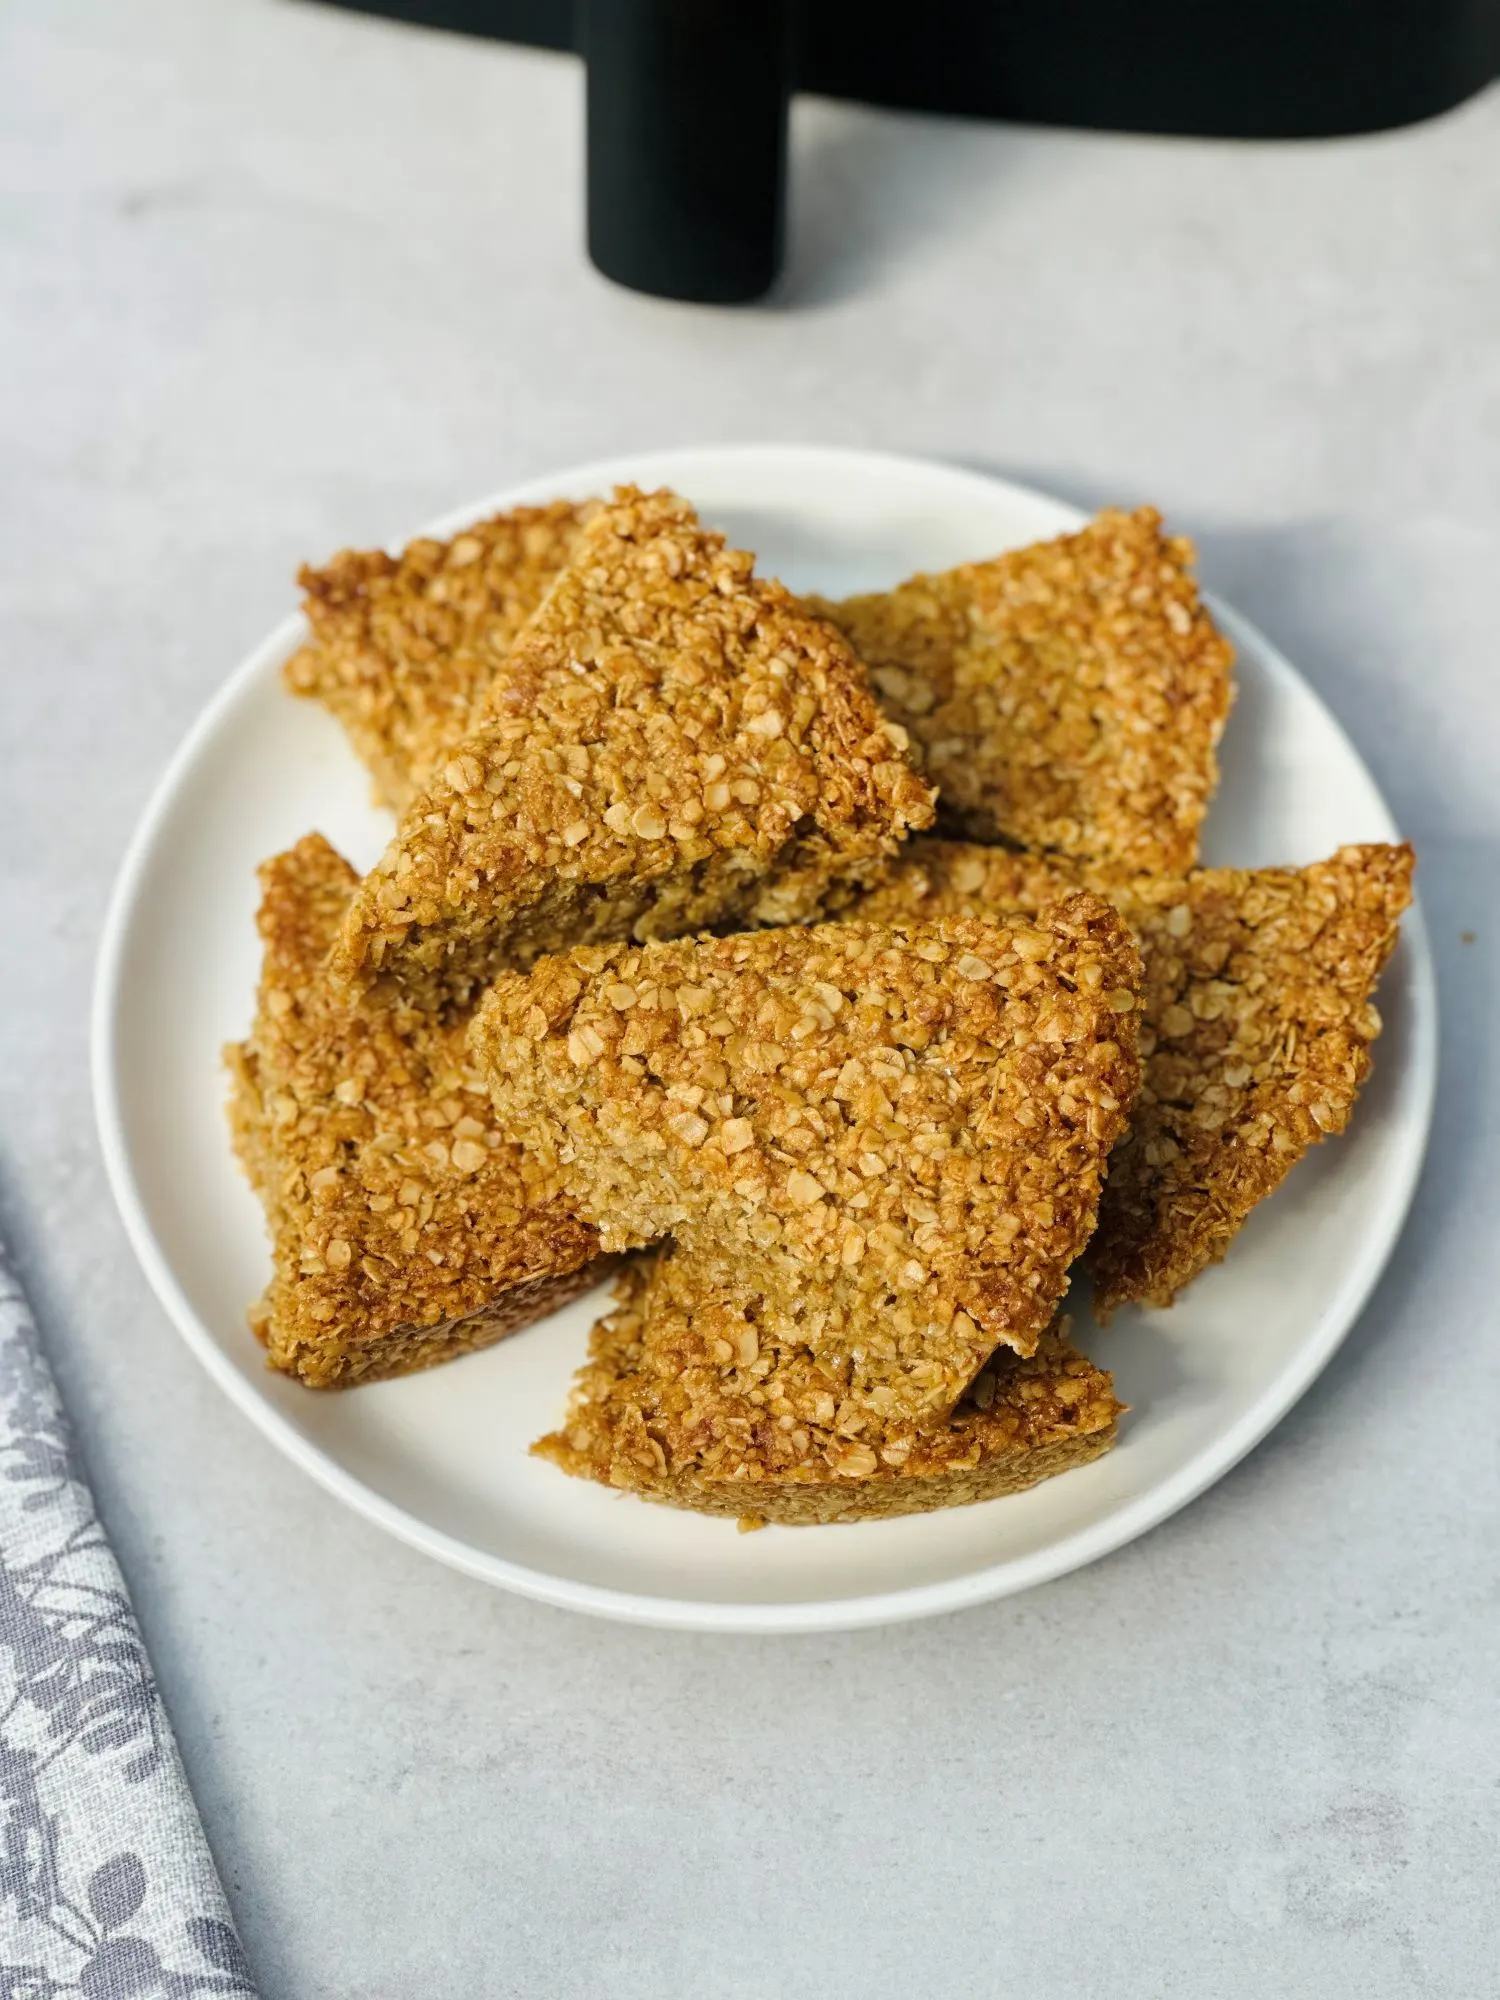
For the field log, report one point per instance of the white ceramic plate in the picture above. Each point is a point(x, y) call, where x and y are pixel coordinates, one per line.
point(440, 1459)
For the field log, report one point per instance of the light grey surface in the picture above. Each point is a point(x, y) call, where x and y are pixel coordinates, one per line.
point(278, 279)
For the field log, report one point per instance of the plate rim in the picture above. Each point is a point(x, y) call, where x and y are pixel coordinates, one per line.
point(977, 1586)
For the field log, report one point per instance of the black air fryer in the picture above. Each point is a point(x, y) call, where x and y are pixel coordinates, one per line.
point(687, 99)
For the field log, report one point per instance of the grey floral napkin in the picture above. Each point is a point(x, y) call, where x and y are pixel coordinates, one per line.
point(107, 1886)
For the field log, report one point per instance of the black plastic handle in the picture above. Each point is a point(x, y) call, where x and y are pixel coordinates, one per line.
point(687, 144)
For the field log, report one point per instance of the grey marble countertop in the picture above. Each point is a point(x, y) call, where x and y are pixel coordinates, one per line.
point(278, 279)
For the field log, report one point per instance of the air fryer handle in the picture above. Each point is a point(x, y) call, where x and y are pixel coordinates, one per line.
point(687, 143)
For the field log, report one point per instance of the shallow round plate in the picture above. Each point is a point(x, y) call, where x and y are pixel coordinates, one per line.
point(440, 1459)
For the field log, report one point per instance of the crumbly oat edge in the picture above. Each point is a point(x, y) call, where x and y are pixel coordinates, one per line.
point(409, 1350)
point(760, 1503)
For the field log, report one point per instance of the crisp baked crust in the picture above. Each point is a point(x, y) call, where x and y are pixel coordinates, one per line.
point(684, 1399)
point(895, 1138)
point(405, 1229)
point(672, 743)
point(1255, 1034)
point(1067, 696)
point(403, 646)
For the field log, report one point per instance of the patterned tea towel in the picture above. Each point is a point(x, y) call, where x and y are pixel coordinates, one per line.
point(107, 1886)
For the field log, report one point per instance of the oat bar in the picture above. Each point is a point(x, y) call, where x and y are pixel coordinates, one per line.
point(1256, 1031)
point(896, 1137)
point(673, 743)
point(1066, 697)
point(685, 1400)
point(402, 646)
point(404, 1228)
